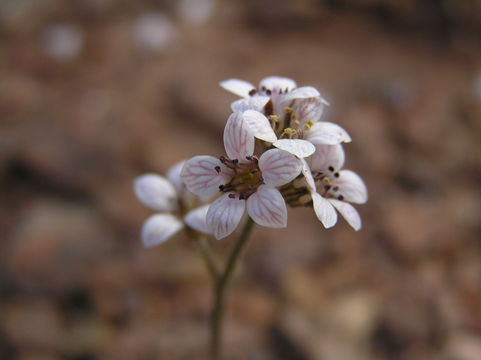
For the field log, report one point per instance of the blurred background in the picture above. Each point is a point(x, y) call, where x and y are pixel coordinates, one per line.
point(96, 92)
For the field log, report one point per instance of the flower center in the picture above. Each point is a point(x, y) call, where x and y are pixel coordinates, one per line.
point(327, 184)
point(246, 179)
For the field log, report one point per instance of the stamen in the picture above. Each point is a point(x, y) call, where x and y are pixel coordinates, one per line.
point(232, 196)
point(331, 168)
point(340, 197)
point(289, 132)
point(252, 92)
point(308, 125)
point(336, 174)
point(221, 187)
point(217, 168)
point(268, 92)
point(269, 108)
point(335, 188)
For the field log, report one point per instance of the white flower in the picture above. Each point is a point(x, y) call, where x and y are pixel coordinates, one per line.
point(279, 108)
point(167, 197)
point(331, 188)
point(244, 180)
point(274, 91)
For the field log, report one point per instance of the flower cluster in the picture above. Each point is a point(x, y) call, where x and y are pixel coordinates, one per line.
point(296, 159)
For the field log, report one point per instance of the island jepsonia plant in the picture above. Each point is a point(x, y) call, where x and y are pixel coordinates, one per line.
point(278, 152)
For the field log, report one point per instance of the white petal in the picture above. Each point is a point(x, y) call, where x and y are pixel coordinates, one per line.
point(348, 212)
point(173, 175)
point(250, 103)
point(159, 228)
point(195, 219)
point(238, 87)
point(279, 167)
point(306, 171)
point(308, 109)
point(327, 133)
point(224, 215)
point(304, 92)
point(324, 210)
point(326, 156)
point(267, 207)
point(201, 178)
point(156, 192)
point(297, 147)
point(259, 126)
point(274, 83)
point(352, 187)
point(238, 141)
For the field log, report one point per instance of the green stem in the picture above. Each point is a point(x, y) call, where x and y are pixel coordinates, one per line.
point(209, 260)
point(220, 290)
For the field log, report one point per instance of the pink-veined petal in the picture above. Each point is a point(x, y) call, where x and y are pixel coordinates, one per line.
point(238, 141)
point(195, 219)
point(267, 207)
point(251, 103)
point(352, 187)
point(259, 126)
point(297, 147)
point(304, 92)
point(328, 133)
point(348, 212)
point(238, 87)
point(276, 83)
point(306, 171)
point(173, 175)
point(159, 228)
point(156, 192)
point(201, 177)
point(224, 215)
point(306, 110)
point(279, 167)
point(327, 156)
point(324, 210)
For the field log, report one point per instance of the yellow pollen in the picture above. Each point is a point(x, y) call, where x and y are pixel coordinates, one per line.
point(308, 124)
point(288, 110)
point(326, 180)
point(274, 118)
point(290, 132)
point(297, 123)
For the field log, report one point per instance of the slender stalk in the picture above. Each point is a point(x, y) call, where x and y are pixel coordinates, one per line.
point(220, 288)
point(209, 260)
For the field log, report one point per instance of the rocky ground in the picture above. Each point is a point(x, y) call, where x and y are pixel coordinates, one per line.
point(94, 93)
